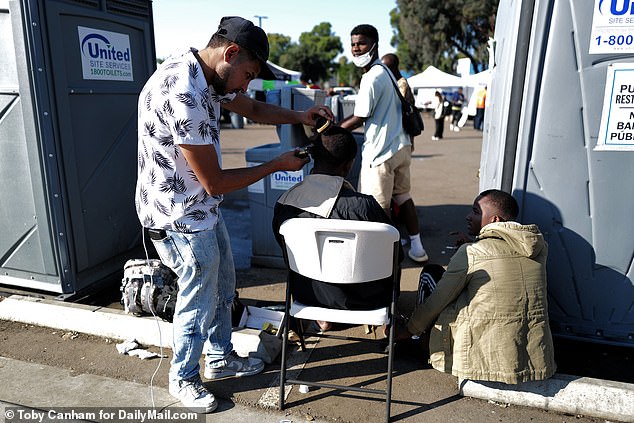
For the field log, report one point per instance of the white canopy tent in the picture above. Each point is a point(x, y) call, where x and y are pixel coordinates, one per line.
point(433, 77)
point(478, 79)
point(425, 84)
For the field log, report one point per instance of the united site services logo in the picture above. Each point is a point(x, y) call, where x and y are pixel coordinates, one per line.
point(105, 55)
point(284, 180)
point(616, 7)
point(612, 27)
point(96, 46)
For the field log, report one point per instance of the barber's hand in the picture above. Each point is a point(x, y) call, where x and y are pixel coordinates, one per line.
point(290, 161)
point(310, 116)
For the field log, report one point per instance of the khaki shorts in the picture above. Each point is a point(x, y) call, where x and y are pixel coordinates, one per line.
point(388, 179)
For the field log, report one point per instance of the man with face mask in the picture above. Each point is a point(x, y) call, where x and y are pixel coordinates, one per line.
point(486, 316)
point(386, 154)
point(180, 186)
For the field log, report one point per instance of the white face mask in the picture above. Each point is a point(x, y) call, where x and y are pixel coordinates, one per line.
point(363, 60)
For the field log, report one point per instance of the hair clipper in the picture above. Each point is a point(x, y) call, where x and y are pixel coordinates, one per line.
point(303, 152)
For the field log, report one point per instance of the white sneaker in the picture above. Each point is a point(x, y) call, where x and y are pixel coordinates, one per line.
point(418, 257)
point(233, 366)
point(434, 138)
point(193, 395)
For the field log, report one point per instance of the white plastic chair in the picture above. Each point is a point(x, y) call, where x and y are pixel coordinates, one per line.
point(344, 252)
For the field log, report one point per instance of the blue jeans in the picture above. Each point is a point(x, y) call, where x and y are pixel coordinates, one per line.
point(203, 263)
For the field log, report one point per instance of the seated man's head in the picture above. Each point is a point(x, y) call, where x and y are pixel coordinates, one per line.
point(491, 206)
point(334, 151)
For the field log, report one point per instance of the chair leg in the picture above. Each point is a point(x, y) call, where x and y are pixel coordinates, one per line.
point(390, 357)
point(390, 365)
point(300, 333)
point(283, 362)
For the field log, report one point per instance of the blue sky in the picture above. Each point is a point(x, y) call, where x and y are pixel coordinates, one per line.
point(179, 24)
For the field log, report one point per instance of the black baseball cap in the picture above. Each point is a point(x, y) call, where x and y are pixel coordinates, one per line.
point(253, 38)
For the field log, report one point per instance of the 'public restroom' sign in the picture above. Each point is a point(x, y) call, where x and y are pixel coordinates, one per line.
point(617, 121)
point(105, 55)
point(612, 27)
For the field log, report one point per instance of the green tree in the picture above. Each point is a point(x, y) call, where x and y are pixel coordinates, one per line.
point(314, 54)
point(278, 44)
point(439, 32)
point(407, 61)
point(347, 74)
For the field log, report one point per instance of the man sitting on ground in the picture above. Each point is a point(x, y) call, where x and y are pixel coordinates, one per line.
point(326, 194)
point(489, 310)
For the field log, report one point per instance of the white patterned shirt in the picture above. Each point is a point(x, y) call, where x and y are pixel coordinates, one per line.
point(176, 106)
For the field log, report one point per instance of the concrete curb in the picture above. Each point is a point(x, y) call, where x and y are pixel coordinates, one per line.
point(562, 393)
point(91, 320)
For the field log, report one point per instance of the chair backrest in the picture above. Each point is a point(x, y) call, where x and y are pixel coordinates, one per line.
point(340, 251)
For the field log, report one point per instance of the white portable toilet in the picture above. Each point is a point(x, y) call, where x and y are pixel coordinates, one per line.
point(559, 66)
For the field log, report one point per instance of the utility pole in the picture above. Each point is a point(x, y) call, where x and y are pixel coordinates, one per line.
point(260, 19)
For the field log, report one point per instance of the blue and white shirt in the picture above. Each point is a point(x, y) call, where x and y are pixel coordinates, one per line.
point(176, 106)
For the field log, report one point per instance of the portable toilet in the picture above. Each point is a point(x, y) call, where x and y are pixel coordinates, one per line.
point(264, 193)
point(559, 135)
point(70, 75)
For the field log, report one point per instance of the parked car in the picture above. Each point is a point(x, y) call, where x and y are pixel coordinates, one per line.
point(344, 90)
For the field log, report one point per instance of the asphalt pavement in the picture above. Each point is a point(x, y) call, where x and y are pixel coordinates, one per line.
point(62, 356)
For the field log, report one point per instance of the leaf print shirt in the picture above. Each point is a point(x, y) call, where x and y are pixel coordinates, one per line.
point(176, 106)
